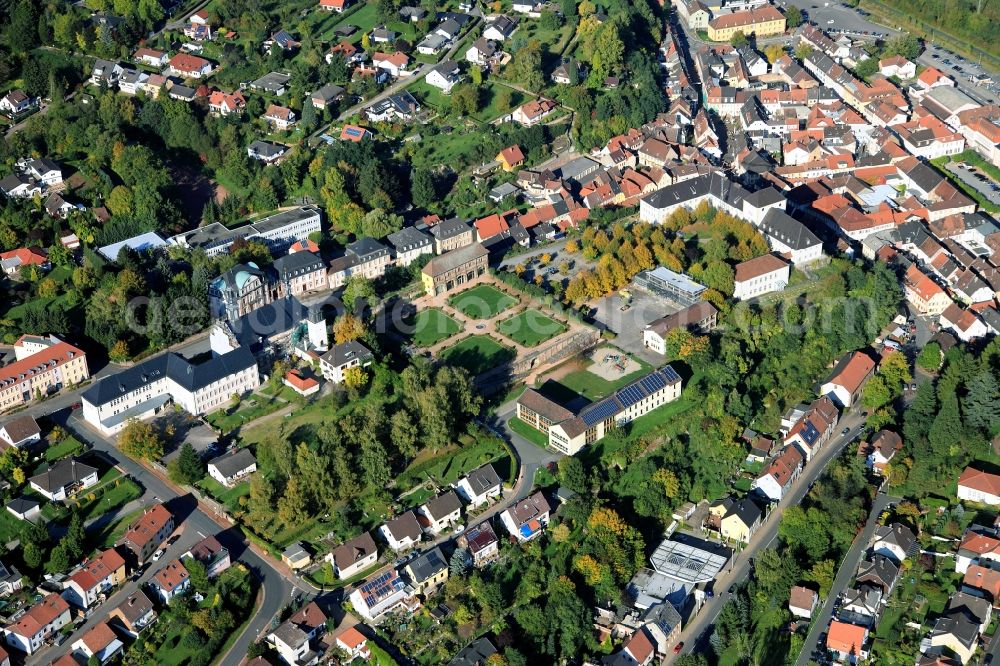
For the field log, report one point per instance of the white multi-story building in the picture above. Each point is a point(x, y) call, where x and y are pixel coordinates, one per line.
point(41, 621)
point(568, 434)
point(278, 231)
point(143, 390)
point(760, 276)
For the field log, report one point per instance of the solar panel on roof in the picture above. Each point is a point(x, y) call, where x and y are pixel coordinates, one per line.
point(653, 383)
point(670, 374)
point(630, 395)
point(599, 412)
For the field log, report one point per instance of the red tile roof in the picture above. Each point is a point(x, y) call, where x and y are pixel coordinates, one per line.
point(185, 62)
point(854, 372)
point(171, 576)
point(352, 638)
point(512, 155)
point(40, 615)
point(846, 638)
point(57, 354)
point(980, 480)
point(98, 638)
point(762, 265)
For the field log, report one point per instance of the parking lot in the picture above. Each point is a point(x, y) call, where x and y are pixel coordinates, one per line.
point(834, 17)
point(628, 324)
point(977, 180)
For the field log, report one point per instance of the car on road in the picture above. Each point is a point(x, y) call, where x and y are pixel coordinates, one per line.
point(76, 405)
point(679, 647)
point(158, 554)
point(845, 431)
point(830, 22)
point(913, 387)
point(172, 540)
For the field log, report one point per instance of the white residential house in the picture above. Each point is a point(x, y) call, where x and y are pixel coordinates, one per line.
point(480, 486)
point(402, 532)
point(292, 638)
point(99, 643)
point(29, 633)
point(393, 63)
point(343, 357)
point(94, 578)
point(282, 118)
point(759, 276)
point(895, 541)
point(779, 474)
point(528, 518)
point(802, 602)
point(354, 643)
point(64, 478)
point(20, 431)
point(353, 556)
point(440, 513)
point(232, 467)
point(978, 486)
point(445, 76)
point(170, 581)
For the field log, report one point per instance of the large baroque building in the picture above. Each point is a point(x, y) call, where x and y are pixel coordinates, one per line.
point(44, 365)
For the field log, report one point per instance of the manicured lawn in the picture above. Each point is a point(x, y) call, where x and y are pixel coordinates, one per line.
point(530, 328)
point(68, 447)
point(113, 532)
point(454, 148)
point(431, 326)
point(380, 657)
point(477, 354)
point(117, 494)
point(482, 302)
point(536, 437)
point(10, 527)
point(228, 496)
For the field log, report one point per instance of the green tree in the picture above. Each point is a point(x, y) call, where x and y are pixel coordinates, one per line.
point(793, 17)
point(866, 68)
point(187, 468)
point(358, 290)
point(822, 573)
point(422, 188)
point(526, 66)
point(739, 39)
point(981, 404)
point(140, 439)
point(198, 575)
point(947, 430)
point(930, 357)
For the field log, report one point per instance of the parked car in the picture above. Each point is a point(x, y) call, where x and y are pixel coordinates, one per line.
point(679, 647)
point(158, 554)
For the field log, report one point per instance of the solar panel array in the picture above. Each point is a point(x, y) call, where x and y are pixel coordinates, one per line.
point(382, 586)
point(600, 411)
point(653, 382)
point(630, 395)
point(670, 374)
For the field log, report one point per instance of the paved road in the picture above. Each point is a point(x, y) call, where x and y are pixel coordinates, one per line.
point(845, 575)
point(530, 456)
point(195, 523)
point(695, 634)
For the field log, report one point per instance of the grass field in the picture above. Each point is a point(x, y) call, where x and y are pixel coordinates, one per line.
point(536, 437)
point(481, 302)
point(228, 496)
point(530, 328)
point(226, 421)
point(431, 326)
point(119, 493)
point(68, 447)
point(451, 464)
point(586, 383)
point(477, 354)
